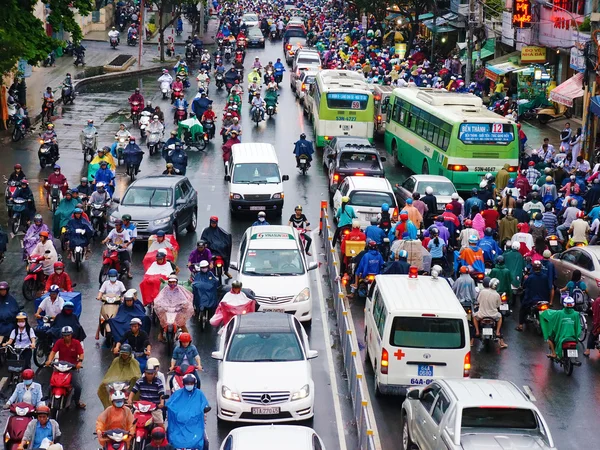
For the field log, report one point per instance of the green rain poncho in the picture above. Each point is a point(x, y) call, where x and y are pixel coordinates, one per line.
point(515, 263)
point(560, 326)
point(119, 370)
point(503, 274)
point(62, 214)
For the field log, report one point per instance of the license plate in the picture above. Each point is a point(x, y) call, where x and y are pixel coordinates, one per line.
point(485, 169)
point(553, 243)
point(504, 307)
point(303, 161)
point(258, 208)
point(487, 332)
point(425, 371)
point(262, 410)
point(279, 310)
point(345, 127)
point(572, 353)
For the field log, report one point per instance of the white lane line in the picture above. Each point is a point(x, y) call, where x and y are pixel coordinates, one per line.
point(3, 382)
point(332, 378)
point(212, 188)
point(529, 393)
point(208, 207)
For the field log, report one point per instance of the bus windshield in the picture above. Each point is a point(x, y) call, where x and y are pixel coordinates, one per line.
point(340, 100)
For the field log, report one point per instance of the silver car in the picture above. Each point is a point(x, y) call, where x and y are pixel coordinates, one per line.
point(587, 260)
point(472, 414)
point(442, 189)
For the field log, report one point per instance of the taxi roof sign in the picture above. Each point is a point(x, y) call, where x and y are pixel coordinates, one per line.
point(272, 235)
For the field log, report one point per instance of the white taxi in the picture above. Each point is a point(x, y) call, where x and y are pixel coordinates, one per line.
point(272, 262)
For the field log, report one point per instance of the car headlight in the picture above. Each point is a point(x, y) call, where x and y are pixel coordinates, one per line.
point(233, 196)
point(279, 195)
point(229, 394)
point(303, 296)
point(262, 39)
point(163, 220)
point(302, 393)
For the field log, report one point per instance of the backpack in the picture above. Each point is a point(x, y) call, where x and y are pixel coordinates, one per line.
point(580, 298)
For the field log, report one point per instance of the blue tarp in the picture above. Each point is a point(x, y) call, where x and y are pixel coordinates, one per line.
point(74, 297)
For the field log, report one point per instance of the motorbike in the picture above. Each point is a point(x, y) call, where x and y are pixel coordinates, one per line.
point(154, 142)
point(252, 88)
point(533, 316)
point(176, 378)
point(364, 285)
point(554, 244)
point(278, 76)
point(87, 147)
point(21, 414)
point(190, 52)
point(165, 88)
point(273, 35)
point(209, 129)
point(11, 187)
point(78, 255)
point(203, 86)
point(504, 306)
point(487, 327)
point(114, 41)
point(122, 22)
point(132, 39)
point(110, 306)
point(44, 342)
point(117, 439)
point(79, 57)
point(17, 206)
point(144, 122)
point(557, 111)
point(566, 357)
point(61, 388)
point(98, 218)
point(110, 260)
point(205, 64)
point(45, 154)
point(50, 60)
point(54, 196)
point(256, 116)
point(219, 81)
point(136, 112)
point(268, 76)
point(20, 129)
point(122, 142)
point(177, 94)
point(47, 111)
point(67, 95)
point(227, 54)
point(180, 114)
point(270, 110)
point(16, 365)
point(172, 331)
point(142, 414)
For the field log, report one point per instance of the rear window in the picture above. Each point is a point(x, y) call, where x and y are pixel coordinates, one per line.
point(498, 418)
point(427, 332)
point(357, 157)
point(439, 187)
point(307, 60)
point(372, 199)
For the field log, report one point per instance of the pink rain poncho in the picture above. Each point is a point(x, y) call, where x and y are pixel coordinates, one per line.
point(178, 300)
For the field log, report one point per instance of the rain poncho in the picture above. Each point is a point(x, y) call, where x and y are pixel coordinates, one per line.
point(8, 312)
point(515, 263)
point(504, 276)
point(62, 214)
point(155, 273)
point(178, 300)
point(186, 419)
point(32, 237)
point(95, 164)
point(231, 305)
point(133, 154)
point(67, 320)
point(218, 240)
point(464, 288)
point(76, 238)
point(205, 290)
point(271, 97)
point(560, 326)
point(119, 370)
point(119, 324)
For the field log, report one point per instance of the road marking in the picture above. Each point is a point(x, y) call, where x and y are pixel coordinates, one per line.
point(3, 383)
point(332, 378)
point(212, 188)
point(208, 207)
point(529, 393)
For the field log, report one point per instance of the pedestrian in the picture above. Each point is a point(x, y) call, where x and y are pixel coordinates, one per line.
point(565, 137)
point(575, 144)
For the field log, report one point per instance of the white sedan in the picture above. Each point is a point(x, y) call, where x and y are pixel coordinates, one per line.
point(269, 437)
point(265, 374)
point(303, 82)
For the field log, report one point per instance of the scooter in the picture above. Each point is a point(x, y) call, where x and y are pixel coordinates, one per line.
point(219, 81)
point(176, 378)
point(271, 111)
point(273, 35)
point(487, 326)
point(11, 187)
point(35, 280)
point(268, 76)
point(533, 316)
point(154, 142)
point(78, 254)
point(61, 387)
point(45, 154)
point(110, 306)
point(165, 88)
point(144, 122)
point(171, 330)
point(87, 147)
point(177, 94)
point(554, 244)
point(21, 414)
point(67, 95)
point(568, 357)
point(180, 114)
point(79, 57)
point(47, 111)
point(114, 41)
point(257, 116)
point(54, 196)
point(122, 142)
point(557, 111)
point(142, 415)
point(16, 365)
point(98, 218)
point(110, 260)
point(209, 129)
point(44, 342)
point(132, 40)
point(117, 439)
point(20, 129)
point(136, 112)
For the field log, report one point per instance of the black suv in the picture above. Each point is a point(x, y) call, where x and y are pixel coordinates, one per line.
point(350, 156)
point(167, 203)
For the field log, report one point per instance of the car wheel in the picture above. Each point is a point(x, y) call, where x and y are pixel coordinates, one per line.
point(395, 153)
point(407, 443)
point(193, 223)
point(376, 383)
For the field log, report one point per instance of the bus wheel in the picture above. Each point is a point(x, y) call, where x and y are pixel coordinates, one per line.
point(425, 167)
point(395, 154)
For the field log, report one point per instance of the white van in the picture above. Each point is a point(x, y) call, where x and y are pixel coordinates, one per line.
point(272, 262)
point(255, 181)
point(416, 331)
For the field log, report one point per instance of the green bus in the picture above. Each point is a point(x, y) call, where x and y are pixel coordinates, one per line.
point(436, 132)
point(341, 104)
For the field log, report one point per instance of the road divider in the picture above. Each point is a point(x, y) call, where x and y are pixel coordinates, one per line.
point(368, 437)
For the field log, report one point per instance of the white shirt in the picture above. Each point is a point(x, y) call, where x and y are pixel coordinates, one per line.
point(51, 257)
point(110, 288)
point(158, 245)
point(119, 238)
point(20, 337)
point(526, 238)
point(52, 309)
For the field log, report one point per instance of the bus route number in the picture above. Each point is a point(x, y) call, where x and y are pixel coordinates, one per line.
point(497, 128)
point(355, 105)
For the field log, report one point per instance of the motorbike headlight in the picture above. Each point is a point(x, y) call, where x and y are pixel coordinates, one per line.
point(229, 394)
point(302, 393)
point(233, 196)
point(303, 296)
point(163, 220)
point(278, 195)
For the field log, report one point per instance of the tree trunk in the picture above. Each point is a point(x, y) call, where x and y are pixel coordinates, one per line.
point(411, 37)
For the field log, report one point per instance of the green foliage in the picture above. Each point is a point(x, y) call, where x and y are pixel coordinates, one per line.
point(494, 8)
point(22, 35)
point(586, 25)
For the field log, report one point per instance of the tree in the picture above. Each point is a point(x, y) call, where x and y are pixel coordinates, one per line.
point(22, 35)
point(411, 10)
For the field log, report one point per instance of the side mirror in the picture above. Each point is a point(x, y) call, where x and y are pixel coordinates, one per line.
point(383, 158)
point(217, 355)
point(285, 178)
point(180, 201)
point(233, 266)
point(313, 265)
point(227, 178)
point(116, 199)
point(414, 394)
point(312, 354)
point(331, 156)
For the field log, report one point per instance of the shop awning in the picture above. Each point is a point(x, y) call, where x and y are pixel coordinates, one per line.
point(571, 89)
point(441, 25)
point(488, 49)
point(425, 16)
point(495, 68)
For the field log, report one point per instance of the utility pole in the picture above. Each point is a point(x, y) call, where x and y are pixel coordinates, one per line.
point(142, 32)
point(470, 43)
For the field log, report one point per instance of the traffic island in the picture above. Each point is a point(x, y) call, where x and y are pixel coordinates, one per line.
point(120, 64)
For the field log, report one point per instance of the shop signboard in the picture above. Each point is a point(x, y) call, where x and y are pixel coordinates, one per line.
point(558, 28)
point(577, 61)
point(507, 29)
point(531, 54)
point(521, 14)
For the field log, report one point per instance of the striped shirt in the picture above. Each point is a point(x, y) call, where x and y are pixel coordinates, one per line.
point(149, 391)
point(550, 222)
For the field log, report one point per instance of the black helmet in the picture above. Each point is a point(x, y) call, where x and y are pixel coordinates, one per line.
point(537, 266)
point(488, 231)
point(125, 348)
point(303, 136)
point(548, 207)
point(236, 284)
point(500, 259)
point(486, 282)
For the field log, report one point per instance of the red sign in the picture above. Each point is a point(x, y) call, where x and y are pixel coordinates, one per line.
point(522, 17)
point(399, 354)
point(497, 128)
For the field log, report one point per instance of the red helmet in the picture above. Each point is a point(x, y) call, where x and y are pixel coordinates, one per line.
point(520, 226)
point(214, 219)
point(185, 337)
point(59, 265)
point(464, 269)
point(580, 215)
point(468, 223)
point(28, 374)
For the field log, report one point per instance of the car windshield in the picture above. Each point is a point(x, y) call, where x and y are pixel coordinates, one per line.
point(442, 188)
point(255, 32)
point(309, 80)
point(300, 42)
point(276, 262)
point(256, 173)
point(357, 159)
point(427, 332)
point(498, 418)
point(264, 347)
point(372, 199)
point(250, 18)
point(147, 196)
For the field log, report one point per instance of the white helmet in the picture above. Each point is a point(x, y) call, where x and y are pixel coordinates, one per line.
point(355, 223)
point(483, 184)
point(494, 282)
point(117, 395)
point(429, 190)
point(454, 196)
point(516, 246)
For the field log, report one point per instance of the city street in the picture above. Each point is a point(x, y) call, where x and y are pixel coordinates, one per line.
point(568, 403)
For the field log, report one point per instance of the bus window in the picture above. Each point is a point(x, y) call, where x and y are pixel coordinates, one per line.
point(384, 105)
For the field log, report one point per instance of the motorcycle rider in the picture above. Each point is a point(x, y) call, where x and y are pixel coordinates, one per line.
point(231, 76)
point(113, 33)
point(115, 416)
point(178, 104)
point(149, 108)
point(489, 303)
point(176, 85)
point(200, 104)
point(121, 237)
point(50, 135)
point(9, 309)
point(399, 266)
point(209, 115)
point(170, 144)
point(23, 337)
point(88, 130)
point(162, 266)
point(52, 305)
point(303, 147)
point(156, 126)
point(202, 253)
point(133, 154)
point(298, 220)
point(59, 278)
point(71, 351)
point(261, 219)
point(131, 30)
point(472, 256)
point(579, 230)
point(138, 340)
point(161, 242)
point(345, 214)
point(537, 287)
point(203, 78)
point(219, 242)
point(79, 231)
point(178, 157)
point(370, 264)
point(165, 78)
point(186, 353)
point(57, 178)
point(258, 103)
point(234, 298)
point(560, 325)
point(27, 391)
point(137, 97)
point(46, 248)
point(24, 192)
point(17, 174)
point(279, 67)
point(40, 430)
point(150, 389)
point(48, 98)
point(174, 296)
point(100, 196)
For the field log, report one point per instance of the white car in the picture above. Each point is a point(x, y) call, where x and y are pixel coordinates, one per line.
point(270, 437)
point(367, 194)
point(265, 374)
point(250, 19)
point(272, 262)
point(442, 189)
point(303, 82)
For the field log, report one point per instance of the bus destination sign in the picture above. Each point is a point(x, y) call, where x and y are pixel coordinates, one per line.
point(485, 132)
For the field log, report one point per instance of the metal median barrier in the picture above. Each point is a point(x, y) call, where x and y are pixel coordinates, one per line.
point(368, 438)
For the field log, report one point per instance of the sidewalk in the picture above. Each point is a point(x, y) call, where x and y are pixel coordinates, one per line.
point(536, 132)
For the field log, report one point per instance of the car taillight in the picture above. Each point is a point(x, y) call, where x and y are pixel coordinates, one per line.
point(513, 168)
point(359, 174)
point(458, 168)
point(303, 86)
point(395, 215)
point(379, 118)
point(336, 178)
point(467, 365)
point(384, 361)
